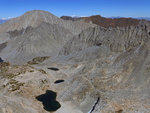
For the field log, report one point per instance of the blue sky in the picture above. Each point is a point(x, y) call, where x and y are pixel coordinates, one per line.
point(107, 8)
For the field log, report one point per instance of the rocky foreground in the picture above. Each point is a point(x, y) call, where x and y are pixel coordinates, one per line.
point(53, 65)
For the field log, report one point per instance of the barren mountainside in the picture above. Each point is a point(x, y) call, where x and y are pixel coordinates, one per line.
point(36, 17)
point(74, 65)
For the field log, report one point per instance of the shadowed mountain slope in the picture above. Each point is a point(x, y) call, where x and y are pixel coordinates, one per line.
point(36, 33)
point(44, 40)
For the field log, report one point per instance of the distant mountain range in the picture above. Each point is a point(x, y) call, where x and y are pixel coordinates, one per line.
point(145, 18)
point(140, 18)
point(113, 17)
point(3, 20)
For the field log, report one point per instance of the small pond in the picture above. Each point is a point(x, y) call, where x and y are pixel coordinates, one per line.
point(59, 81)
point(1, 60)
point(53, 68)
point(49, 101)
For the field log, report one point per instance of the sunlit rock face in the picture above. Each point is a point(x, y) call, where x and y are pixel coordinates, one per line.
point(63, 66)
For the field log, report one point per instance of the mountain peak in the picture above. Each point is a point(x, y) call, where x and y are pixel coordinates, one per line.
point(39, 15)
point(37, 12)
point(31, 18)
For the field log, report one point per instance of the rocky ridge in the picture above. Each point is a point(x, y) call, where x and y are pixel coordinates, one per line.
point(107, 22)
